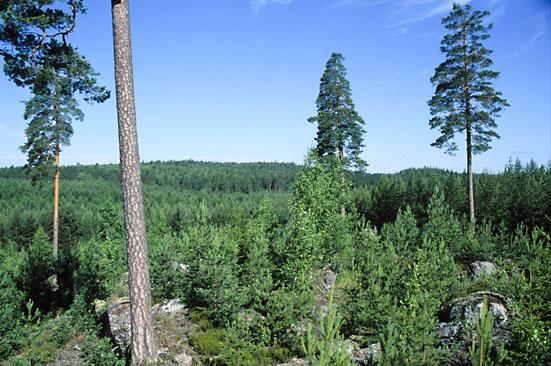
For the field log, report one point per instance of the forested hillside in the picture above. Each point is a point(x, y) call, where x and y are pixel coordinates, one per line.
point(231, 239)
point(520, 194)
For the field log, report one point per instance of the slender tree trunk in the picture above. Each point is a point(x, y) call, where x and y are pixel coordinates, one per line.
point(468, 130)
point(341, 156)
point(470, 174)
point(143, 342)
point(55, 228)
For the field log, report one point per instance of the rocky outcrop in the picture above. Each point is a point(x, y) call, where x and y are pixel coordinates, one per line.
point(461, 314)
point(118, 315)
point(363, 356)
point(171, 326)
point(467, 309)
point(482, 269)
point(295, 362)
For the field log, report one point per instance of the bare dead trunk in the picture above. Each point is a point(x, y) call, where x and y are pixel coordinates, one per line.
point(143, 342)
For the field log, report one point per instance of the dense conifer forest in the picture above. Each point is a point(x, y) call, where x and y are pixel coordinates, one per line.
point(243, 232)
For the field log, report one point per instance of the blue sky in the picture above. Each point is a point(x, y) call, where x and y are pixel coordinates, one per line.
point(235, 80)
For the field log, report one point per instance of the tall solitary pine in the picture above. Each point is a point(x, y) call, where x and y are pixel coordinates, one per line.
point(464, 99)
point(340, 127)
point(37, 54)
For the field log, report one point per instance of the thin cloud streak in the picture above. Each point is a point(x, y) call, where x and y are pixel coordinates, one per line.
point(541, 26)
point(405, 13)
point(258, 5)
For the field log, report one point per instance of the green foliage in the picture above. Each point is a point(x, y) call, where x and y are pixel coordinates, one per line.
point(40, 283)
point(389, 196)
point(403, 233)
point(286, 309)
point(98, 352)
point(340, 127)
point(54, 71)
point(379, 283)
point(324, 345)
point(317, 230)
point(233, 250)
point(168, 258)
point(531, 328)
point(443, 225)
point(481, 341)
point(213, 271)
point(11, 298)
point(257, 269)
point(90, 277)
point(465, 99)
point(409, 338)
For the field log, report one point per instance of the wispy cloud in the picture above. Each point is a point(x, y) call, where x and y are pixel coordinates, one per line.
point(409, 12)
point(390, 78)
point(541, 26)
point(401, 79)
point(258, 5)
point(403, 14)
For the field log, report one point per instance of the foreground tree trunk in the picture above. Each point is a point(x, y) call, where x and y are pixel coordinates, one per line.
point(143, 342)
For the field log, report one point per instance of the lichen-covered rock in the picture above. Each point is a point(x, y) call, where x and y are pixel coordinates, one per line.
point(170, 324)
point(460, 316)
point(467, 309)
point(363, 356)
point(482, 269)
point(369, 355)
point(448, 332)
point(295, 362)
point(178, 267)
point(118, 315)
point(172, 306)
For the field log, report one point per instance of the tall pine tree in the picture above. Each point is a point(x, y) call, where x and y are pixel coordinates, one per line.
point(340, 127)
point(36, 52)
point(465, 100)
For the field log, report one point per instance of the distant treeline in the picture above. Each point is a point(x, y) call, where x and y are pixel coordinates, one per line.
point(174, 190)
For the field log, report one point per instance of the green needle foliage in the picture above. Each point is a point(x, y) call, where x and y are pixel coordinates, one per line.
point(50, 116)
point(340, 127)
point(325, 346)
point(465, 100)
point(481, 344)
point(36, 52)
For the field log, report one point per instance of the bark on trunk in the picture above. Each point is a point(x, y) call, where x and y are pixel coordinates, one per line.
point(468, 130)
point(341, 156)
point(143, 343)
point(470, 175)
point(55, 229)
